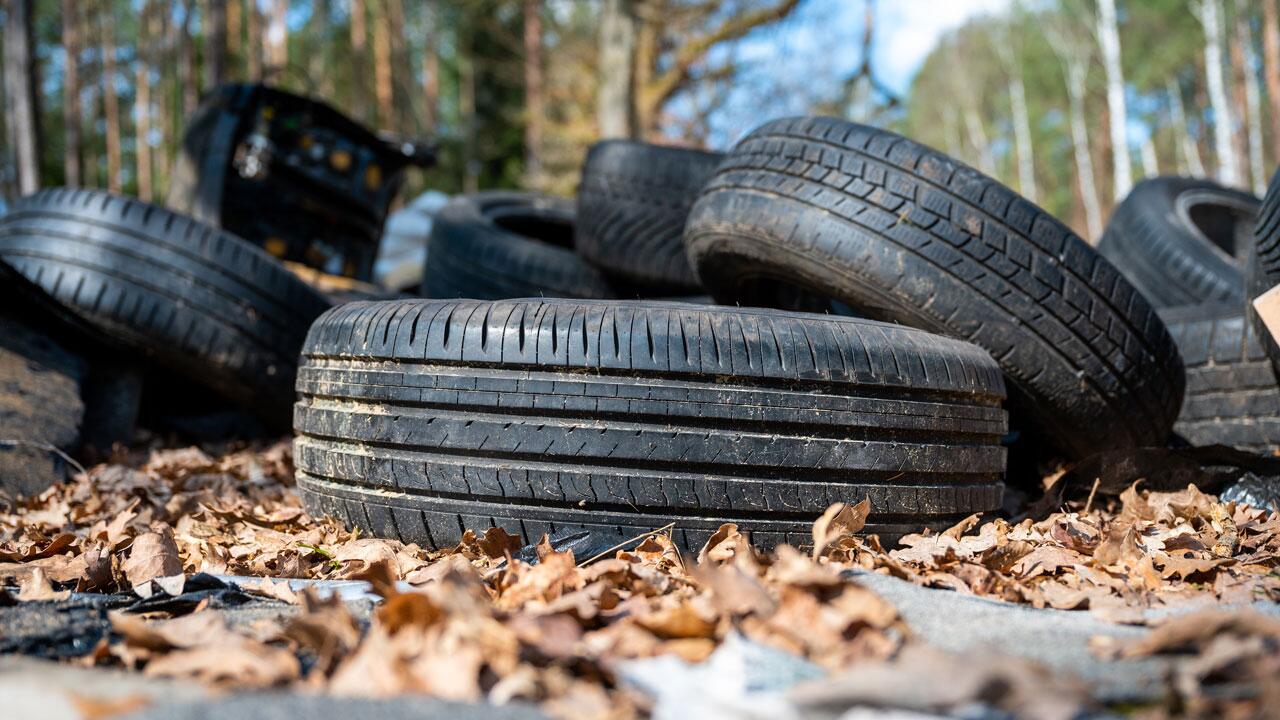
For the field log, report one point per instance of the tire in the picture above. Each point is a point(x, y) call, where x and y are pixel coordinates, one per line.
point(183, 294)
point(498, 245)
point(1262, 267)
point(420, 418)
point(40, 407)
point(632, 204)
point(880, 226)
point(1182, 241)
point(1232, 397)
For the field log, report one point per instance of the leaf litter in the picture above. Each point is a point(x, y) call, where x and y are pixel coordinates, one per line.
point(477, 623)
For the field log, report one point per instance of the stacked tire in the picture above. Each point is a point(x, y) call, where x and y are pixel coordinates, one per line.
point(145, 288)
point(878, 305)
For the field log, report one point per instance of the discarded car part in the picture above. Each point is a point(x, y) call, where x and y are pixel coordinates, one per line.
point(292, 175)
point(1181, 241)
point(1232, 397)
point(338, 288)
point(892, 230)
point(196, 300)
point(1262, 267)
point(497, 245)
point(420, 418)
point(632, 203)
point(402, 252)
point(40, 407)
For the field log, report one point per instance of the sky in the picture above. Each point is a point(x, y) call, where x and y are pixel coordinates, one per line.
point(808, 56)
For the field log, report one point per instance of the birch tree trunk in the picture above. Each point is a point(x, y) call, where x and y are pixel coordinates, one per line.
point(1150, 163)
point(1271, 65)
point(616, 99)
point(978, 138)
point(22, 102)
point(142, 103)
point(1190, 150)
point(1022, 137)
point(253, 43)
point(1109, 40)
point(1210, 18)
point(534, 101)
point(1077, 75)
point(1253, 99)
point(110, 96)
point(71, 119)
point(215, 43)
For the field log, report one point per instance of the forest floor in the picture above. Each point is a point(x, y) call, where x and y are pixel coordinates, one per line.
point(148, 585)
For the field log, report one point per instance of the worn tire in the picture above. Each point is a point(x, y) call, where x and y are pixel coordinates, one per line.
point(420, 418)
point(892, 230)
point(1182, 241)
point(186, 295)
point(1262, 267)
point(1232, 396)
point(632, 204)
point(497, 245)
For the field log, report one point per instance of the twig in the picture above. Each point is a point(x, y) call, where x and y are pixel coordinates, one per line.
point(1092, 491)
point(47, 448)
point(624, 543)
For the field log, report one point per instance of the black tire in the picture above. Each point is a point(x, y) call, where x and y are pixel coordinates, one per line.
point(497, 245)
point(892, 230)
point(419, 418)
point(1232, 396)
point(193, 298)
point(1262, 267)
point(1182, 241)
point(632, 204)
point(40, 407)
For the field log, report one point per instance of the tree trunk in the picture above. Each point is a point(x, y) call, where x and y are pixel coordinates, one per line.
point(1271, 57)
point(162, 30)
point(359, 61)
point(383, 79)
point(1077, 74)
point(253, 43)
point(430, 67)
point(235, 14)
point(71, 93)
point(142, 103)
point(1236, 81)
point(1253, 99)
point(110, 96)
point(317, 61)
point(187, 79)
point(978, 139)
point(1022, 137)
point(1210, 18)
point(616, 98)
point(22, 100)
point(1190, 150)
point(467, 112)
point(215, 43)
point(278, 40)
point(1109, 40)
point(1150, 163)
point(534, 101)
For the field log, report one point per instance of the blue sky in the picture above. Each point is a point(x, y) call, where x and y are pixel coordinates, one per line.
point(809, 55)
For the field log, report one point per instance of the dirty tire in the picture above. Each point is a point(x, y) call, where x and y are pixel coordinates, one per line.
point(195, 299)
point(632, 204)
point(1182, 241)
point(892, 230)
point(40, 407)
point(1232, 397)
point(497, 245)
point(420, 418)
point(1262, 266)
